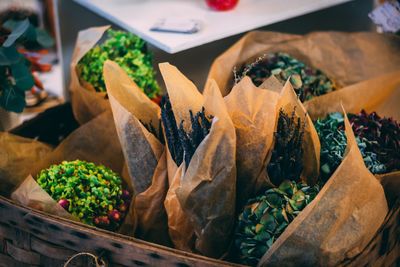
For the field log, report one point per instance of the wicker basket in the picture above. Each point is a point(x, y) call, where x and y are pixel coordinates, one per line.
point(32, 238)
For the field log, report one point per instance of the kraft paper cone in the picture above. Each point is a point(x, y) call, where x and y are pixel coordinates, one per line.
point(86, 102)
point(339, 222)
point(380, 94)
point(92, 142)
point(144, 153)
point(187, 98)
point(253, 112)
point(346, 58)
point(211, 174)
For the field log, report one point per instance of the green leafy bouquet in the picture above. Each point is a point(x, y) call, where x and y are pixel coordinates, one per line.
point(130, 53)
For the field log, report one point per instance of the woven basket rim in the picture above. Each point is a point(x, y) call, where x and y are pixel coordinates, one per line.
point(127, 240)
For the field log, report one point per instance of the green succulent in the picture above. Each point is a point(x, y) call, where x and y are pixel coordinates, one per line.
point(333, 145)
point(307, 81)
point(94, 194)
point(130, 53)
point(266, 217)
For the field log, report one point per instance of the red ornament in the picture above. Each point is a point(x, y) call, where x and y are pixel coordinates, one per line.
point(222, 5)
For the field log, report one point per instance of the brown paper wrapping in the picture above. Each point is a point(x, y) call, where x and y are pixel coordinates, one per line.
point(380, 94)
point(18, 156)
point(95, 142)
point(30, 194)
point(186, 97)
point(207, 187)
point(144, 153)
point(253, 112)
point(339, 222)
point(346, 58)
point(86, 102)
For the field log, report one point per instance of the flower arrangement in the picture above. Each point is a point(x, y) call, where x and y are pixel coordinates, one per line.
point(130, 53)
point(93, 194)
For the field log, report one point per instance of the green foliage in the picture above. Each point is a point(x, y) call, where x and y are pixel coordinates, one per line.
point(266, 217)
point(308, 82)
point(15, 74)
point(87, 191)
point(333, 145)
point(129, 52)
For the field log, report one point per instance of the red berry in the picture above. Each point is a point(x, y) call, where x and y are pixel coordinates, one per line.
point(114, 215)
point(101, 220)
point(64, 203)
point(222, 5)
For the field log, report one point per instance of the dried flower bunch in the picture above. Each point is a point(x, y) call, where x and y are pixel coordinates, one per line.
point(94, 194)
point(157, 133)
point(377, 138)
point(201, 125)
point(130, 53)
point(381, 136)
point(266, 216)
point(286, 159)
point(171, 130)
point(308, 82)
point(182, 144)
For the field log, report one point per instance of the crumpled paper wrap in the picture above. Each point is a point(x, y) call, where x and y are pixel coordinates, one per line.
point(144, 153)
point(18, 156)
point(92, 142)
point(346, 58)
point(207, 187)
point(380, 94)
point(339, 222)
point(86, 102)
point(253, 113)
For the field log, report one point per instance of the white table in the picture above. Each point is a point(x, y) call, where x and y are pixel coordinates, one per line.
point(194, 62)
point(138, 16)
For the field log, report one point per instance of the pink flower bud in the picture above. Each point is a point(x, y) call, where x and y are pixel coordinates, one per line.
point(64, 203)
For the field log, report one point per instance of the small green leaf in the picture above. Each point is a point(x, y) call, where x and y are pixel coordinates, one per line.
point(43, 38)
point(9, 56)
point(17, 32)
point(22, 75)
point(12, 100)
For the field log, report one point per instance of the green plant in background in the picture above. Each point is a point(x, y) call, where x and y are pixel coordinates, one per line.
point(15, 73)
point(131, 54)
point(308, 82)
point(94, 194)
point(333, 145)
point(266, 216)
